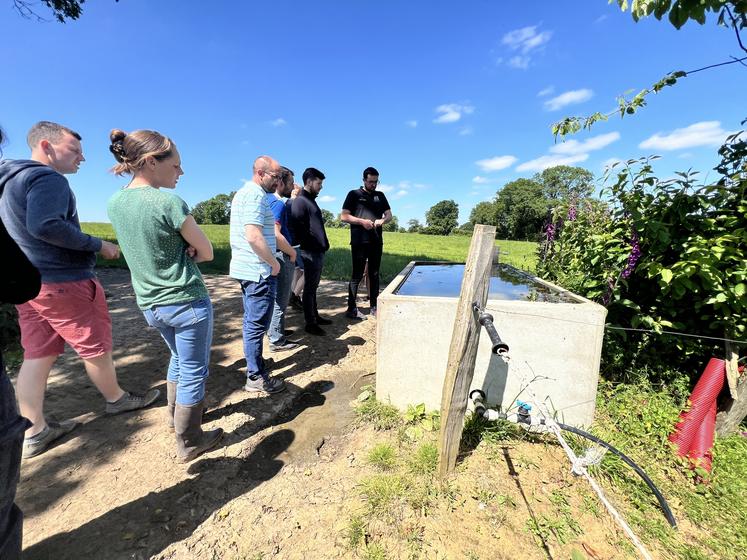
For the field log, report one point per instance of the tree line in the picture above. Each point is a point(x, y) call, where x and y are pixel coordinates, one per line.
point(519, 210)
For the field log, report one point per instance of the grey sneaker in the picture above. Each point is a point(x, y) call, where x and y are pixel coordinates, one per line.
point(261, 385)
point(132, 401)
point(283, 346)
point(38, 444)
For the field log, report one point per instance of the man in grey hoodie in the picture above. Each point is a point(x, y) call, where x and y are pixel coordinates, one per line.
point(39, 211)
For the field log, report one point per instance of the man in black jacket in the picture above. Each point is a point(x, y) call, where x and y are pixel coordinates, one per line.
point(307, 227)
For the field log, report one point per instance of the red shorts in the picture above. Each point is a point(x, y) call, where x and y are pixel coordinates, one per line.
point(72, 312)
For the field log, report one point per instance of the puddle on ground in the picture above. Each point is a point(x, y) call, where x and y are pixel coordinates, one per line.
point(321, 410)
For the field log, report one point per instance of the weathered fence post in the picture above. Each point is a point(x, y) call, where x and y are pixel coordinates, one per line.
point(463, 349)
point(728, 421)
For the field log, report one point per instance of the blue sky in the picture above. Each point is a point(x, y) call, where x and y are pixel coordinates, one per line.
point(448, 100)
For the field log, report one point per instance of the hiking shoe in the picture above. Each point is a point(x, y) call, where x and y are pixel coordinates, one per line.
point(323, 320)
point(283, 346)
point(355, 314)
point(262, 385)
point(288, 332)
point(315, 330)
point(38, 444)
point(132, 401)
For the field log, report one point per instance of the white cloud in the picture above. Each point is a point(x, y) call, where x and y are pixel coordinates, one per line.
point(705, 133)
point(571, 147)
point(568, 98)
point(477, 179)
point(279, 122)
point(544, 162)
point(327, 198)
point(547, 91)
point(466, 131)
point(520, 62)
point(526, 39)
point(401, 189)
point(452, 112)
point(496, 163)
point(411, 124)
point(601, 18)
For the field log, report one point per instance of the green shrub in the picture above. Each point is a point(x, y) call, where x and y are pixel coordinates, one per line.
point(660, 255)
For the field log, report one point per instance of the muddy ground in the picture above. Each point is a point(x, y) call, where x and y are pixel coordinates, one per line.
point(284, 482)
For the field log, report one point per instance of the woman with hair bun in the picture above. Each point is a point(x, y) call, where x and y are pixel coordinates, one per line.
point(162, 244)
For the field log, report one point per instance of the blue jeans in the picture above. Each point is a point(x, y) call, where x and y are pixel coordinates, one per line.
point(258, 299)
point(187, 329)
point(282, 295)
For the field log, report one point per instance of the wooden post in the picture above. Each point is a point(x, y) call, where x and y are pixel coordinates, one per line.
point(728, 421)
point(460, 366)
point(732, 363)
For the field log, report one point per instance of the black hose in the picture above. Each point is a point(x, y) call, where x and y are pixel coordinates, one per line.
point(486, 320)
point(628, 461)
point(525, 418)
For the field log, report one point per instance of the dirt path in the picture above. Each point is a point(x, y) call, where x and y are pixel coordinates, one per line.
point(112, 489)
point(286, 481)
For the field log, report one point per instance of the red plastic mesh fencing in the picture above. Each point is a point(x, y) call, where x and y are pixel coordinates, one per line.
point(703, 398)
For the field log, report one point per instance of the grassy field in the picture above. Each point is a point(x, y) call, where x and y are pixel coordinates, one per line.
point(399, 249)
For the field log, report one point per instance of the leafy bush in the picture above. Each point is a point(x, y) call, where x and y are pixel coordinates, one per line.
point(660, 255)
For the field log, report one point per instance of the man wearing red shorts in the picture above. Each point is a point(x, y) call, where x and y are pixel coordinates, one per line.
point(39, 211)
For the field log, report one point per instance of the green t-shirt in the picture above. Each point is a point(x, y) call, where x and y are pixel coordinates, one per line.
point(147, 222)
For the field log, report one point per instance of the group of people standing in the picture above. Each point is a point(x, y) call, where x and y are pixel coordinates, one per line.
point(272, 235)
point(272, 231)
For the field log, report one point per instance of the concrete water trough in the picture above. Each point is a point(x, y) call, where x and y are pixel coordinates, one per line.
point(555, 340)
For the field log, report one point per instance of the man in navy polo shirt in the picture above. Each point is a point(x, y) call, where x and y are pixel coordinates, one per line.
point(366, 210)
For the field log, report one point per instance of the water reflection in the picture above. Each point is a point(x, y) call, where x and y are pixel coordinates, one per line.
point(506, 283)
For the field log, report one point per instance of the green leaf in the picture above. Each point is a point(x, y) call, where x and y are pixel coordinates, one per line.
point(666, 275)
point(740, 289)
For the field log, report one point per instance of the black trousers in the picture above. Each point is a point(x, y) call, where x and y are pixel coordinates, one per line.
point(312, 272)
point(12, 427)
point(361, 253)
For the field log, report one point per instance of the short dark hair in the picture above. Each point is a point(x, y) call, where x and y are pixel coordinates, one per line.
point(312, 173)
point(286, 174)
point(369, 171)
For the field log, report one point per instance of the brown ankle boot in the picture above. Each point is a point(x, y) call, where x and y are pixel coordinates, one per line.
point(191, 440)
point(170, 402)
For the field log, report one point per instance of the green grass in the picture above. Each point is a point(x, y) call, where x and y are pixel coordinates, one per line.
point(637, 419)
point(383, 456)
point(399, 249)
